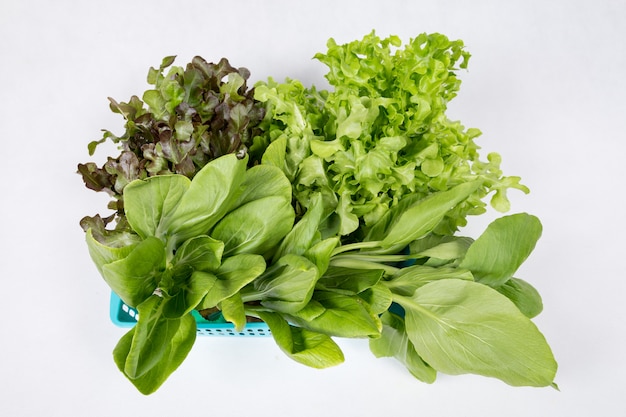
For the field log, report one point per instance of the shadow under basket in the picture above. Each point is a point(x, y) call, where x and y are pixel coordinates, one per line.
point(123, 315)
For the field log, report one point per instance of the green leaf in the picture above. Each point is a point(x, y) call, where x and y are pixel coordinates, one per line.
point(383, 130)
point(262, 214)
point(410, 278)
point(378, 297)
point(188, 294)
point(234, 273)
point(394, 342)
point(275, 153)
point(183, 130)
point(506, 243)
point(352, 124)
point(380, 229)
point(321, 252)
point(255, 227)
point(151, 334)
point(325, 149)
point(523, 295)
point(91, 147)
point(336, 314)
point(462, 327)
point(349, 221)
point(135, 277)
point(304, 346)
point(263, 181)
point(433, 167)
point(209, 197)
point(286, 286)
point(304, 233)
point(115, 249)
point(312, 180)
point(149, 204)
point(348, 281)
point(233, 83)
point(202, 253)
point(422, 217)
point(172, 90)
point(441, 247)
point(155, 102)
point(233, 311)
point(151, 351)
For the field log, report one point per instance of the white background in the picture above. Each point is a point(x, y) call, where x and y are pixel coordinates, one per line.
point(545, 84)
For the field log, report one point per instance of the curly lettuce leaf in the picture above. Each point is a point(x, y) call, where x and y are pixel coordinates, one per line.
point(381, 133)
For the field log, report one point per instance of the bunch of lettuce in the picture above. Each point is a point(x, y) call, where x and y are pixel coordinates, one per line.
point(323, 213)
point(190, 117)
point(381, 134)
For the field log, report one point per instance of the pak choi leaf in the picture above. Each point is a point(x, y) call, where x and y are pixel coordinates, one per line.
point(462, 327)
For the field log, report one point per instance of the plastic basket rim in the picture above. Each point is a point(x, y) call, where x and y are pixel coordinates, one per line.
point(122, 318)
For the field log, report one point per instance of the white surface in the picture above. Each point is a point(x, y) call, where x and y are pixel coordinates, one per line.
point(546, 86)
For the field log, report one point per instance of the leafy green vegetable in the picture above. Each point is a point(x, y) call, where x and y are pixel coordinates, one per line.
point(523, 295)
point(177, 261)
point(210, 196)
point(286, 286)
point(189, 291)
point(378, 298)
point(304, 346)
point(409, 279)
point(395, 343)
point(251, 228)
point(461, 326)
point(381, 134)
point(235, 272)
point(301, 237)
point(135, 277)
point(348, 281)
point(190, 117)
point(155, 347)
point(151, 203)
point(337, 314)
point(263, 181)
point(202, 253)
point(495, 256)
point(109, 246)
point(320, 253)
point(323, 213)
point(421, 218)
point(440, 250)
point(233, 310)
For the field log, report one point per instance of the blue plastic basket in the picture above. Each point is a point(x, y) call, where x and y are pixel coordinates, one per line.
point(123, 315)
